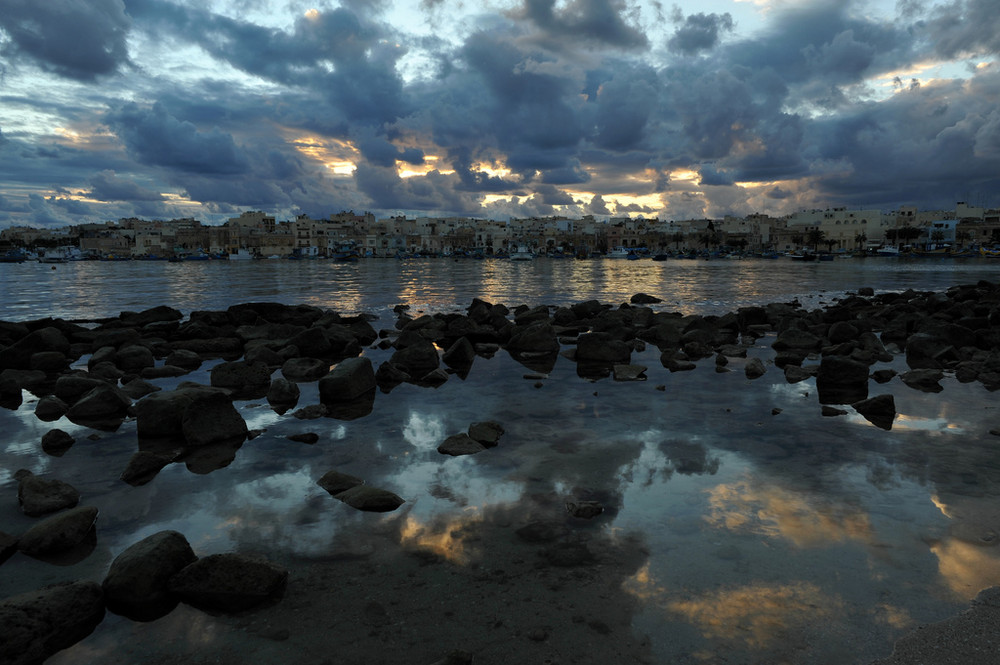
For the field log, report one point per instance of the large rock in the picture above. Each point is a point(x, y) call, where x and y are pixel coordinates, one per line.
point(879, 410)
point(304, 369)
point(161, 414)
point(38, 624)
point(241, 376)
point(418, 358)
point(72, 387)
point(102, 403)
point(370, 499)
point(796, 339)
point(754, 369)
point(59, 533)
point(349, 380)
point(10, 392)
point(212, 419)
point(18, 355)
point(41, 496)
point(137, 584)
point(460, 354)
point(602, 347)
point(229, 582)
point(312, 343)
point(158, 314)
point(487, 433)
point(283, 393)
point(50, 408)
point(539, 337)
point(841, 380)
point(55, 442)
point(134, 358)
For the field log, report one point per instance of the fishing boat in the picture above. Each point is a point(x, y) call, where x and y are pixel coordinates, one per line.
point(618, 253)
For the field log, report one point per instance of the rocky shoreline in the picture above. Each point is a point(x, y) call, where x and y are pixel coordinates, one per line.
point(265, 350)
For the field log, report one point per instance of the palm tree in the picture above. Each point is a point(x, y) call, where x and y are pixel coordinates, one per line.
point(678, 238)
point(860, 240)
point(815, 237)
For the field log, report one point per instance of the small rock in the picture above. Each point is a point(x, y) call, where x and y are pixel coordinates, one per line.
point(304, 437)
point(137, 584)
point(487, 433)
point(55, 442)
point(370, 499)
point(336, 482)
point(460, 444)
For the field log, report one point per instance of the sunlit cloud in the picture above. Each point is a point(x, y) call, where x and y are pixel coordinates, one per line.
point(804, 520)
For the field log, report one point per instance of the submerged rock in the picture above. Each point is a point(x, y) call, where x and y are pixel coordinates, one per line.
point(460, 444)
point(41, 496)
point(40, 623)
point(229, 583)
point(59, 533)
point(137, 584)
point(370, 499)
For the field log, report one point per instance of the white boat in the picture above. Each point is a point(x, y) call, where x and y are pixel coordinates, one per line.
point(242, 254)
point(522, 254)
point(618, 253)
point(888, 250)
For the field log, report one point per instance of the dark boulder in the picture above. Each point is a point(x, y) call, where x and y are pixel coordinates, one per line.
point(59, 533)
point(283, 393)
point(72, 387)
point(49, 362)
point(370, 499)
point(55, 442)
point(754, 368)
point(304, 370)
point(351, 379)
point(188, 360)
point(40, 623)
point(879, 410)
point(841, 380)
point(211, 419)
point(138, 388)
point(644, 299)
point(18, 355)
point(41, 496)
point(134, 358)
point(242, 377)
point(103, 404)
point(50, 408)
point(537, 337)
point(137, 584)
point(158, 314)
point(925, 380)
point(487, 433)
point(460, 444)
point(417, 358)
point(336, 482)
point(229, 583)
point(460, 355)
point(143, 466)
point(601, 347)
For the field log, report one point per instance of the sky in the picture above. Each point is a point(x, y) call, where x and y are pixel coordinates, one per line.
point(162, 109)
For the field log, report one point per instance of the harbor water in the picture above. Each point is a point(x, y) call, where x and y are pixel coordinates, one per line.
point(740, 523)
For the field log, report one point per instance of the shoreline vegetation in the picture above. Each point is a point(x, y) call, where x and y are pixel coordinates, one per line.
point(102, 374)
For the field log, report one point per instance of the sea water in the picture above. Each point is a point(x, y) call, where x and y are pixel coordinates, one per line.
point(769, 532)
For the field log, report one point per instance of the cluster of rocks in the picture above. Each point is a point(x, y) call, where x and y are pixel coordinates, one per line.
point(144, 582)
point(267, 349)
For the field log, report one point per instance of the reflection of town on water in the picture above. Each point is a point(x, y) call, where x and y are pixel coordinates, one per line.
point(767, 532)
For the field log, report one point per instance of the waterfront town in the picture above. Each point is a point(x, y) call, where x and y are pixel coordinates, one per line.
point(256, 234)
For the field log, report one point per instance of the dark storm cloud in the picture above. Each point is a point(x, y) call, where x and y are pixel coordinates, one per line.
point(338, 53)
point(106, 186)
point(435, 191)
point(625, 103)
point(699, 32)
point(965, 27)
point(155, 137)
point(598, 206)
point(78, 40)
point(709, 175)
point(596, 20)
point(932, 142)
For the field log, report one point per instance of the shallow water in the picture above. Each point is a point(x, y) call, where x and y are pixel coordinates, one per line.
point(768, 532)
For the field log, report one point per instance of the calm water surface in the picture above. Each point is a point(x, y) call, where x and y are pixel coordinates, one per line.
point(774, 534)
